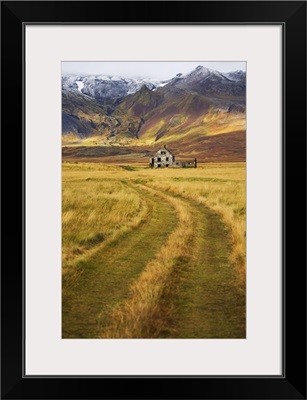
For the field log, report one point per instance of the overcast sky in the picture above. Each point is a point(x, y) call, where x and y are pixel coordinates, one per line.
point(154, 70)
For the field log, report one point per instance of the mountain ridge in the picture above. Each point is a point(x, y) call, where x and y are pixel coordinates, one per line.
point(187, 107)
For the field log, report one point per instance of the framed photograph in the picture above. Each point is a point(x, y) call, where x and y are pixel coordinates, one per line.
point(159, 152)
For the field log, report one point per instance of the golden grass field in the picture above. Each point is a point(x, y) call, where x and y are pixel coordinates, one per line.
point(153, 253)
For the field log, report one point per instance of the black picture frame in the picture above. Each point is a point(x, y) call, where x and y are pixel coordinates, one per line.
point(292, 16)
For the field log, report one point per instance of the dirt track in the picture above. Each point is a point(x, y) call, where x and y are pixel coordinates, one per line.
point(109, 272)
point(202, 296)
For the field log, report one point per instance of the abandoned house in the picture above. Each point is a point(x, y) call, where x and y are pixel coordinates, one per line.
point(164, 158)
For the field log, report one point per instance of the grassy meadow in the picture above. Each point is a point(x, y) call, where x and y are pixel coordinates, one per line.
point(153, 253)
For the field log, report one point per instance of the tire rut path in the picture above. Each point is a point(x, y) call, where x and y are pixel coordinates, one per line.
point(207, 301)
point(109, 272)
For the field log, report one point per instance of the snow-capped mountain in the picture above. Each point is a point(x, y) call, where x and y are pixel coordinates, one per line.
point(236, 75)
point(209, 82)
point(114, 109)
point(200, 73)
point(108, 87)
point(111, 88)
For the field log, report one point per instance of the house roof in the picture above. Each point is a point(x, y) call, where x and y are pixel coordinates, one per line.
point(164, 148)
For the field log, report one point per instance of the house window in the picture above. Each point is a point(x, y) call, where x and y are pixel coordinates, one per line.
point(166, 159)
point(166, 165)
point(162, 152)
point(159, 159)
point(159, 165)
